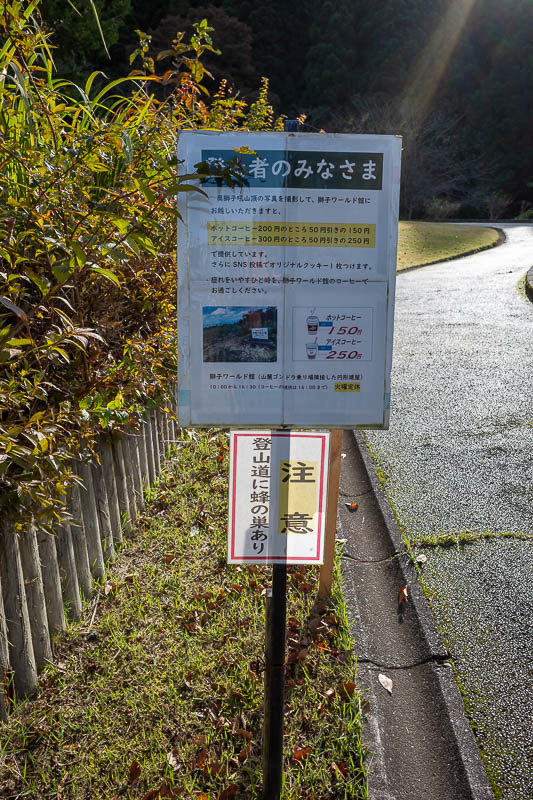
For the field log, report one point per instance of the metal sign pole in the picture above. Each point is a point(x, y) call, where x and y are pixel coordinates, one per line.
point(276, 612)
point(276, 603)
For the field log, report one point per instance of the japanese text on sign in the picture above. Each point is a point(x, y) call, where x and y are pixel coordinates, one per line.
point(305, 169)
point(286, 283)
point(277, 496)
point(291, 234)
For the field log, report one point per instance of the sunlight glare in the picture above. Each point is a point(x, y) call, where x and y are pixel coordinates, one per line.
point(427, 72)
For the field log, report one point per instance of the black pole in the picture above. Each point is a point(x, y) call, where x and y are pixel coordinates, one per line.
point(276, 612)
point(291, 126)
point(274, 684)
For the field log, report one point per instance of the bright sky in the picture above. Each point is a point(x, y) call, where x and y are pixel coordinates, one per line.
point(226, 315)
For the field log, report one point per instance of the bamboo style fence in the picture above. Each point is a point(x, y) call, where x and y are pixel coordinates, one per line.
point(45, 577)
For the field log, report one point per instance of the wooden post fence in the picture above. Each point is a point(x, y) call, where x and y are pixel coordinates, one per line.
point(44, 575)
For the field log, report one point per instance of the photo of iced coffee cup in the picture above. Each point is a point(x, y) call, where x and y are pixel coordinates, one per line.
point(311, 348)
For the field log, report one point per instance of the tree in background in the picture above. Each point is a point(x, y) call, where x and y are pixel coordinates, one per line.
point(279, 42)
point(491, 82)
point(147, 16)
point(231, 37)
point(330, 57)
point(80, 33)
point(320, 55)
point(440, 170)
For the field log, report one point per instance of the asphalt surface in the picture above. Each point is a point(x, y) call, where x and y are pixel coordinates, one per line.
point(459, 458)
point(419, 742)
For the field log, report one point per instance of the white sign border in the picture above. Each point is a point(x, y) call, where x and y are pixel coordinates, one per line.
point(314, 141)
point(323, 493)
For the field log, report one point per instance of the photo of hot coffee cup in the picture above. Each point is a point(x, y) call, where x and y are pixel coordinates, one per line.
point(312, 323)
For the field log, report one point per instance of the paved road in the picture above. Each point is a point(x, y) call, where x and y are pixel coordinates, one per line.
point(459, 458)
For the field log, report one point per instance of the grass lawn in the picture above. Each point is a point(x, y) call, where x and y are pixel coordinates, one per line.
point(427, 242)
point(158, 691)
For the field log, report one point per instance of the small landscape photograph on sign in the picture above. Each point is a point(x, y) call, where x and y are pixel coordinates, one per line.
point(242, 334)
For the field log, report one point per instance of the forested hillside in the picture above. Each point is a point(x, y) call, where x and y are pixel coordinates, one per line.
point(454, 77)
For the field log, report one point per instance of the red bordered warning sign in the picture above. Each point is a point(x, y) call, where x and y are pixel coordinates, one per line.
point(277, 501)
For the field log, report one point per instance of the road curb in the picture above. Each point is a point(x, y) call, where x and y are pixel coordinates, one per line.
point(529, 283)
point(447, 685)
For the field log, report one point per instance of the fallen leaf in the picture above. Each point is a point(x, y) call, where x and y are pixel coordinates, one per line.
point(170, 557)
point(243, 755)
point(385, 682)
point(352, 506)
point(15, 309)
point(61, 786)
point(201, 758)
point(313, 624)
point(8, 688)
point(338, 769)
point(402, 595)
point(213, 769)
point(203, 596)
point(173, 759)
point(163, 791)
point(347, 689)
point(135, 772)
point(108, 588)
point(230, 791)
point(303, 752)
point(421, 559)
point(245, 734)
point(364, 707)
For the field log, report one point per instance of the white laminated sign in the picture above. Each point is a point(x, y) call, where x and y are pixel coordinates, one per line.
point(277, 496)
point(286, 284)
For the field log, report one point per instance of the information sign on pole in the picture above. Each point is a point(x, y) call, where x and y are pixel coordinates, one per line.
point(277, 496)
point(286, 284)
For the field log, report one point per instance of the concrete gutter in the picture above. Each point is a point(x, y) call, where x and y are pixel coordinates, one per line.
point(422, 743)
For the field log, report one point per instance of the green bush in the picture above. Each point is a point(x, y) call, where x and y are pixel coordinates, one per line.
point(87, 246)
